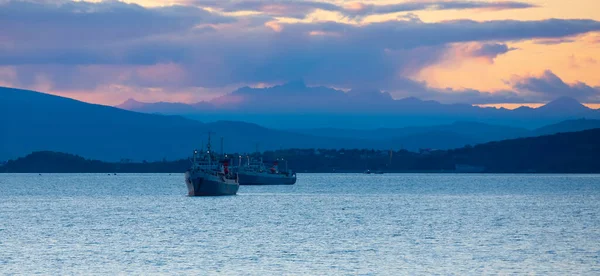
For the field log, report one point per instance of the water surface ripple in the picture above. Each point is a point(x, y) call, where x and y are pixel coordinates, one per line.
point(326, 224)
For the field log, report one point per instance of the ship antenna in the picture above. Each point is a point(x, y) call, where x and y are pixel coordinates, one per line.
point(222, 152)
point(194, 159)
point(208, 144)
point(208, 150)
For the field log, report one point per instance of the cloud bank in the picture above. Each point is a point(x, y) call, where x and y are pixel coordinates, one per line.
point(300, 9)
point(530, 89)
point(83, 46)
point(549, 86)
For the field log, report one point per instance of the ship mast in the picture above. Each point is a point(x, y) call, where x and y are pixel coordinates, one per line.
point(195, 153)
point(222, 152)
point(208, 151)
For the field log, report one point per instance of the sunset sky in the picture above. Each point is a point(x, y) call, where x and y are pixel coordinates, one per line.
point(477, 52)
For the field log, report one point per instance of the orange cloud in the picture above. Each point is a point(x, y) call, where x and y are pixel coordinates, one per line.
point(354, 6)
point(275, 26)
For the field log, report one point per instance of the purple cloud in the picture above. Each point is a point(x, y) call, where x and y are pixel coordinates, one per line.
point(371, 9)
point(294, 9)
point(491, 50)
point(554, 41)
point(485, 51)
point(470, 96)
point(90, 24)
point(549, 86)
point(300, 8)
point(544, 88)
point(67, 43)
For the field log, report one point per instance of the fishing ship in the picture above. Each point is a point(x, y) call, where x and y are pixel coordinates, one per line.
point(210, 176)
point(254, 172)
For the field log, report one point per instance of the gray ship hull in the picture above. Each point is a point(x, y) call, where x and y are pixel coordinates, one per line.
point(265, 179)
point(208, 185)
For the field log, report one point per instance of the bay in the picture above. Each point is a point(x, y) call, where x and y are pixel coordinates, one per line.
point(326, 224)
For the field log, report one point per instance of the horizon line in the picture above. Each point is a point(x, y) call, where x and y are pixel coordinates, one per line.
point(509, 106)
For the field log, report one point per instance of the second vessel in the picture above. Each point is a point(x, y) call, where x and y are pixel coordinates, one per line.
point(254, 172)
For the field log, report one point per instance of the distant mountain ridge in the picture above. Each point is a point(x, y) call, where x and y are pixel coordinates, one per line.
point(296, 105)
point(461, 127)
point(568, 126)
point(452, 135)
point(32, 121)
point(564, 104)
point(303, 98)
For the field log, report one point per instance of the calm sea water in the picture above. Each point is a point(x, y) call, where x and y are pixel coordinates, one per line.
point(326, 224)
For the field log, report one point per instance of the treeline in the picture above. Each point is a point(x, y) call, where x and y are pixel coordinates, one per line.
point(58, 162)
point(574, 152)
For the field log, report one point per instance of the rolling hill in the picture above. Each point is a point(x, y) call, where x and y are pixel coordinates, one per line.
point(570, 152)
point(568, 126)
point(33, 121)
point(573, 152)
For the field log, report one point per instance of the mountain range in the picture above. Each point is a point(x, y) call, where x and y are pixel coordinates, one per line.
point(449, 136)
point(477, 131)
point(295, 105)
point(33, 121)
